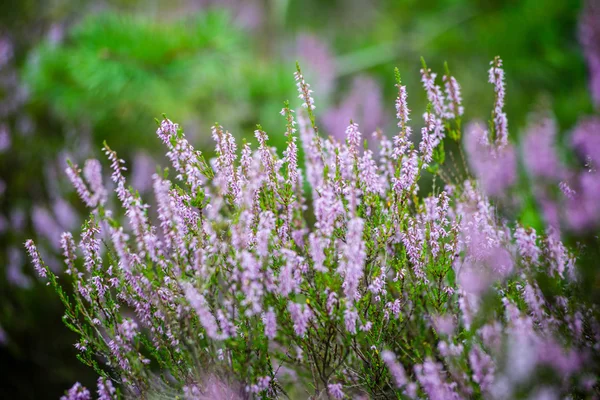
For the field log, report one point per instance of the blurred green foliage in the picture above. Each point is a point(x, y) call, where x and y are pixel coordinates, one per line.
point(118, 73)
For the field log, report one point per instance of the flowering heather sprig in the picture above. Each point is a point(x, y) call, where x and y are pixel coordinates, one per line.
point(291, 152)
point(335, 390)
point(434, 92)
point(526, 241)
point(427, 138)
point(92, 171)
point(305, 93)
point(566, 190)
point(401, 140)
point(106, 390)
point(38, 265)
point(226, 157)
point(231, 272)
point(452, 89)
point(77, 392)
point(74, 174)
point(496, 78)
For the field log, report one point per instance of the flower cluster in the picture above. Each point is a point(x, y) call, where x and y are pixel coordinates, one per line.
point(365, 287)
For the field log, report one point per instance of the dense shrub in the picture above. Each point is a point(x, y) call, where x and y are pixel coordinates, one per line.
point(240, 283)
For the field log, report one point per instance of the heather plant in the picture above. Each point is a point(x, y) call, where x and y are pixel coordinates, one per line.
point(252, 278)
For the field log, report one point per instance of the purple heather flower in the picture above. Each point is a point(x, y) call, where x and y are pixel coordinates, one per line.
point(496, 78)
point(353, 137)
point(270, 321)
point(92, 172)
point(483, 368)
point(199, 304)
point(77, 392)
point(566, 190)
point(305, 94)
point(74, 175)
point(354, 259)
point(335, 390)
point(409, 173)
point(129, 329)
point(452, 89)
point(106, 390)
point(396, 370)
point(350, 318)
point(317, 251)
point(434, 92)
point(557, 253)
point(301, 315)
point(526, 244)
point(427, 138)
point(431, 376)
point(402, 139)
point(182, 154)
point(35, 258)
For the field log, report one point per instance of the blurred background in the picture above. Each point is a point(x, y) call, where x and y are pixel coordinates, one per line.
point(74, 73)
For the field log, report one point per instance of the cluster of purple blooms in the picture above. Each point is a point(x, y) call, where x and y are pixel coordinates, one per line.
point(244, 281)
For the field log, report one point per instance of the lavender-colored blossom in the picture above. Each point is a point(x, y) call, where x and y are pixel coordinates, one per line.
point(432, 379)
point(396, 370)
point(74, 175)
point(401, 140)
point(270, 321)
point(35, 258)
point(301, 315)
point(369, 174)
point(452, 89)
point(483, 368)
point(92, 172)
point(106, 390)
point(305, 93)
point(198, 303)
point(353, 137)
point(496, 78)
point(427, 138)
point(335, 390)
point(527, 244)
point(77, 392)
point(317, 251)
point(408, 174)
point(350, 318)
point(434, 93)
point(354, 254)
point(566, 190)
